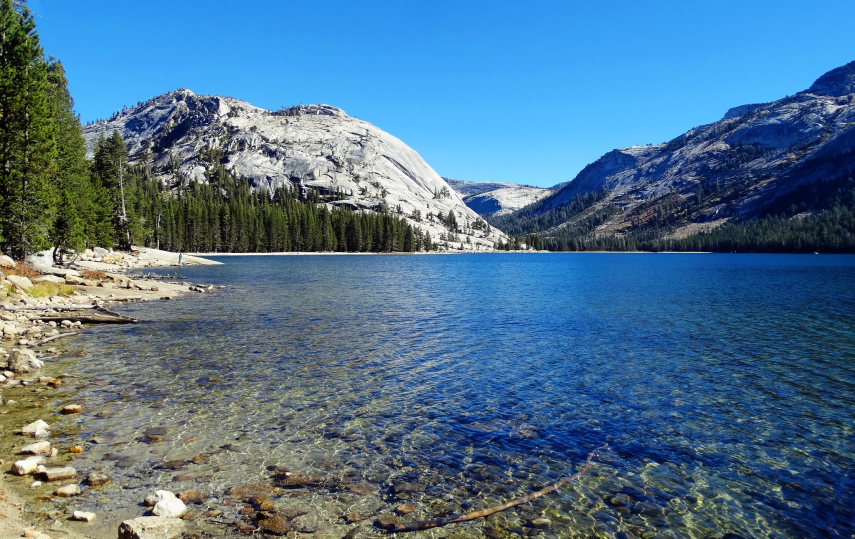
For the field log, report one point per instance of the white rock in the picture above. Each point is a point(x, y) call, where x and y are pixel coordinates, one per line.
point(38, 448)
point(68, 491)
point(83, 516)
point(27, 465)
point(36, 484)
point(168, 505)
point(151, 528)
point(34, 427)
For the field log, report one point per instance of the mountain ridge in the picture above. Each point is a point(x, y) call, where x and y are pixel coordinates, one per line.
point(792, 155)
point(183, 137)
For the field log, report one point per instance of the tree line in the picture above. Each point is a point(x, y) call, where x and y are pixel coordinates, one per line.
point(51, 196)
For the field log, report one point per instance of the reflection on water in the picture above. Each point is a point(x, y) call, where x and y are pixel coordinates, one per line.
point(724, 385)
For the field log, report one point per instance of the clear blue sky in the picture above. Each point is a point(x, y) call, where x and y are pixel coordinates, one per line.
point(528, 92)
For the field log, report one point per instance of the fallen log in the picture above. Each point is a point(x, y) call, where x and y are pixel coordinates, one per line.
point(75, 307)
point(92, 318)
point(454, 519)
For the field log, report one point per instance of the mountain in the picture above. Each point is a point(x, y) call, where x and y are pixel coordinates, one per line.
point(348, 162)
point(793, 157)
point(497, 198)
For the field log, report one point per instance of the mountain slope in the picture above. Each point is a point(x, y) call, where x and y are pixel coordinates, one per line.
point(349, 162)
point(497, 198)
point(793, 156)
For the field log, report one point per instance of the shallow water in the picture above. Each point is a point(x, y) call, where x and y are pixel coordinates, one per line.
point(724, 386)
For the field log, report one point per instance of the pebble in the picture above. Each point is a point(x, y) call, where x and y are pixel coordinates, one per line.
point(352, 518)
point(96, 479)
point(191, 496)
point(72, 409)
point(68, 490)
point(541, 523)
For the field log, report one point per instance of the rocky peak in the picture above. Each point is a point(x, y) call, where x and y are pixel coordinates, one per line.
point(347, 161)
point(314, 110)
point(837, 82)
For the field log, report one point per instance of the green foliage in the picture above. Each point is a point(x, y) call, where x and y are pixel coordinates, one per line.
point(27, 130)
point(225, 215)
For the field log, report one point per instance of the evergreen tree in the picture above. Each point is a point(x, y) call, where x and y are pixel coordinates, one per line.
point(73, 189)
point(27, 146)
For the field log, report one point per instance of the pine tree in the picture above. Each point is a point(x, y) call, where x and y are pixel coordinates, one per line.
point(27, 146)
point(73, 189)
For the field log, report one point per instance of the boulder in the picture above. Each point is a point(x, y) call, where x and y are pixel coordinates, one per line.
point(21, 283)
point(151, 528)
point(168, 505)
point(27, 465)
point(100, 252)
point(23, 360)
point(6, 262)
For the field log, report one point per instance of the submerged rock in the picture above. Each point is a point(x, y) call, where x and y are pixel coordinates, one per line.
point(96, 479)
point(273, 523)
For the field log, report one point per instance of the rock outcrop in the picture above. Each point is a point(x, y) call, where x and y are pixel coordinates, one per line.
point(348, 162)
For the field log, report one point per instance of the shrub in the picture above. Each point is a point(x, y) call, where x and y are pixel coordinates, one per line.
point(94, 275)
point(23, 269)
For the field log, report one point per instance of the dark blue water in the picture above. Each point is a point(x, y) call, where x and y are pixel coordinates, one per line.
point(724, 386)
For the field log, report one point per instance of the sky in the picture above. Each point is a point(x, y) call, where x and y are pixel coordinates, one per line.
point(527, 92)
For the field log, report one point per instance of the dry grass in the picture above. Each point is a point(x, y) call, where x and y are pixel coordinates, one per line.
point(48, 289)
point(94, 275)
point(24, 270)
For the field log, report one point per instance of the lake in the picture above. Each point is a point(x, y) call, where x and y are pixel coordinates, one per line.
point(723, 386)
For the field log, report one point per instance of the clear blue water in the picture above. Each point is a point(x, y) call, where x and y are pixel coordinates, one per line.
point(724, 386)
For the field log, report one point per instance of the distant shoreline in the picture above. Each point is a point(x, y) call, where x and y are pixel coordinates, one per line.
point(336, 253)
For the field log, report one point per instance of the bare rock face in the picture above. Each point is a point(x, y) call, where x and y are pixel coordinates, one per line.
point(498, 198)
point(350, 162)
point(758, 159)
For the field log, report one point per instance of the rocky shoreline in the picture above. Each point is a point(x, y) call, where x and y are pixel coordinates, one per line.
point(39, 305)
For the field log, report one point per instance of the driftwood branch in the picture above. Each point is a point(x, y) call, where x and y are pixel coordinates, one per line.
point(54, 337)
point(438, 523)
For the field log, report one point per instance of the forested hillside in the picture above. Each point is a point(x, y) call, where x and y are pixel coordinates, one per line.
point(51, 196)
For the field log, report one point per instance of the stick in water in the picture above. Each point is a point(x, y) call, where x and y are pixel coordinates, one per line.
point(426, 525)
